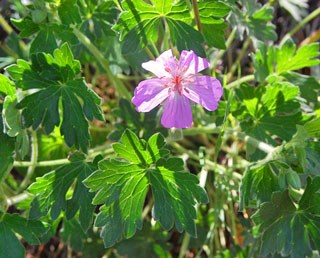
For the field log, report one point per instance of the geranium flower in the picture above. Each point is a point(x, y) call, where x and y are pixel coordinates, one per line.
point(175, 85)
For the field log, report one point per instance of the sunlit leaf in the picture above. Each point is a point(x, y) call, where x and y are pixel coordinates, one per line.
point(287, 228)
point(122, 185)
point(51, 192)
point(55, 77)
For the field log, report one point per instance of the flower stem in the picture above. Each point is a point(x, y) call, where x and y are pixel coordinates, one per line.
point(120, 87)
point(310, 17)
point(236, 83)
point(33, 161)
point(197, 15)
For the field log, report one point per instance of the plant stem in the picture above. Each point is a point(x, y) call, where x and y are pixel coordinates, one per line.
point(7, 28)
point(18, 198)
point(235, 65)
point(236, 83)
point(103, 150)
point(149, 53)
point(120, 87)
point(33, 161)
point(197, 15)
point(46, 163)
point(310, 17)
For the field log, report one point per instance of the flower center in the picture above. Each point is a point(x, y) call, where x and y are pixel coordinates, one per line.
point(177, 84)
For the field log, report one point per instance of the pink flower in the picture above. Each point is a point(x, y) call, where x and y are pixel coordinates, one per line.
point(175, 85)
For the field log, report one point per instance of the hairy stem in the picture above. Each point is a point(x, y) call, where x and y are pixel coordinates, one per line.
point(120, 87)
point(33, 161)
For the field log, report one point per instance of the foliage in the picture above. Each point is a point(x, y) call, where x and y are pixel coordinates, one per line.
point(84, 174)
point(122, 185)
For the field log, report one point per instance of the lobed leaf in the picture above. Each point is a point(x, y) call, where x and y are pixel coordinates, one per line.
point(287, 228)
point(52, 193)
point(32, 231)
point(55, 77)
point(122, 184)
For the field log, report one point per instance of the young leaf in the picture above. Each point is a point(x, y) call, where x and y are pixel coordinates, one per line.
point(55, 77)
point(51, 193)
point(287, 228)
point(122, 185)
point(31, 231)
point(6, 86)
point(283, 59)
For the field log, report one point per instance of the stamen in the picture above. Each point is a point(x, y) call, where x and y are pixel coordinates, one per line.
point(185, 68)
point(167, 69)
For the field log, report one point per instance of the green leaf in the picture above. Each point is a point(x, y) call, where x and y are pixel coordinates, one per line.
point(149, 242)
point(268, 111)
point(258, 182)
point(55, 77)
point(214, 35)
point(122, 184)
point(7, 147)
point(254, 19)
point(31, 231)
point(212, 11)
point(6, 86)
point(12, 125)
point(308, 85)
point(288, 59)
point(53, 193)
point(287, 228)
point(141, 22)
point(280, 60)
point(69, 12)
point(213, 26)
point(45, 41)
point(299, 152)
point(26, 26)
point(73, 234)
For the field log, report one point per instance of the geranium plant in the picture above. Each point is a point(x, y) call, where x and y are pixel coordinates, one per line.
point(159, 128)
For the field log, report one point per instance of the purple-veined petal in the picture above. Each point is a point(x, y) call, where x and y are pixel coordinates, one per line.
point(190, 63)
point(149, 94)
point(159, 67)
point(177, 112)
point(205, 91)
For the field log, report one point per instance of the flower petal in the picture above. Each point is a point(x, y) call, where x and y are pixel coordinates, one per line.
point(193, 63)
point(148, 94)
point(177, 112)
point(205, 91)
point(159, 67)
